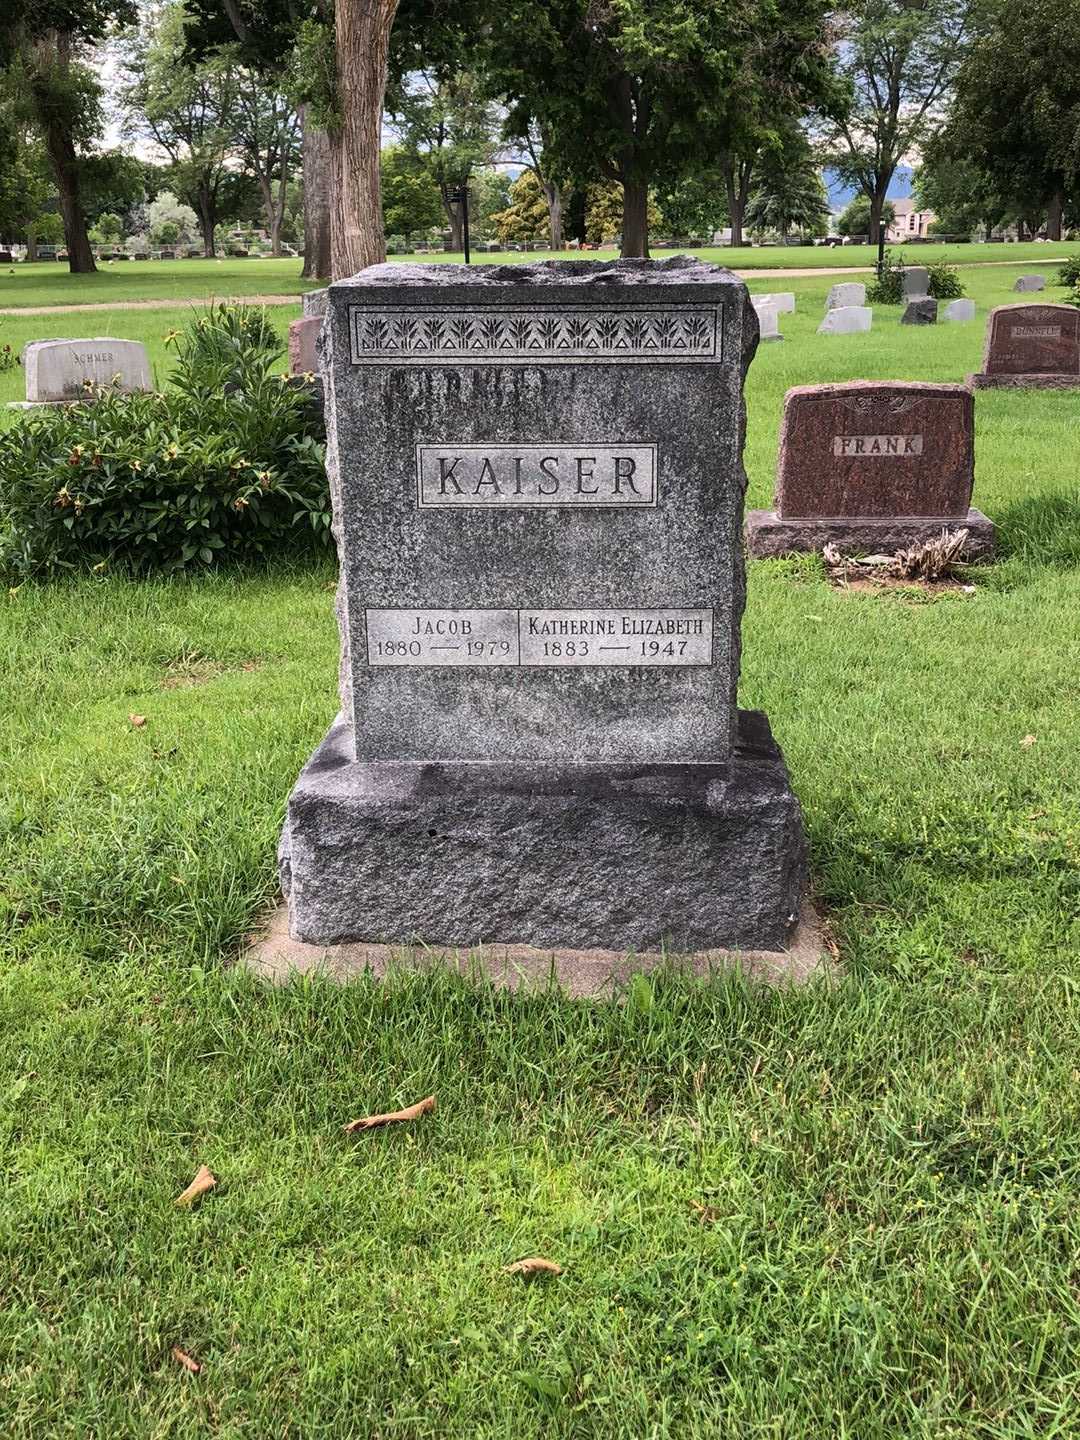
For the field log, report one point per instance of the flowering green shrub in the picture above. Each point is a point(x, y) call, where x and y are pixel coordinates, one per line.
point(1069, 274)
point(9, 360)
point(225, 465)
point(944, 282)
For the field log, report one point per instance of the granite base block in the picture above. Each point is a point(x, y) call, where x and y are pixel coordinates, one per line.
point(274, 955)
point(983, 381)
point(768, 536)
point(684, 858)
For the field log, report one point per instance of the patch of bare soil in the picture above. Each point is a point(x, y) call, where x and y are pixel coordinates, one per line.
point(197, 670)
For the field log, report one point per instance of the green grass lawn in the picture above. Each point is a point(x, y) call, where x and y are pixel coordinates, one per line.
point(50, 283)
point(849, 1211)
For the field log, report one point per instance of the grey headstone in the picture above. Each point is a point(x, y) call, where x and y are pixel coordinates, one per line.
point(70, 369)
point(537, 481)
point(921, 311)
point(1029, 283)
point(959, 310)
point(768, 321)
point(315, 303)
point(845, 295)
point(916, 282)
point(848, 320)
point(781, 300)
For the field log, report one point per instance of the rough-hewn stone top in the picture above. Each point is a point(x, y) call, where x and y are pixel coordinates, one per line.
point(675, 270)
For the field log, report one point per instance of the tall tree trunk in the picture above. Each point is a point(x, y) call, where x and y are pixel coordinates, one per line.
point(454, 218)
point(31, 243)
point(877, 207)
point(635, 220)
point(317, 177)
point(65, 165)
point(553, 196)
point(207, 212)
point(1053, 216)
point(53, 64)
point(362, 33)
point(737, 177)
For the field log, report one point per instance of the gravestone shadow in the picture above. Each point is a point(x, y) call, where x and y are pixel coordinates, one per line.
point(1042, 529)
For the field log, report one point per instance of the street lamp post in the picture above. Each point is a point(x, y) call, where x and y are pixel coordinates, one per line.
point(881, 249)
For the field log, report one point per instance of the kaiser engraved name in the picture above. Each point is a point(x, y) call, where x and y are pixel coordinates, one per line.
point(864, 445)
point(533, 476)
point(634, 637)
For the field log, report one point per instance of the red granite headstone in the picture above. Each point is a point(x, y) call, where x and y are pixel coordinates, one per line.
point(872, 466)
point(1032, 345)
point(873, 448)
point(303, 359)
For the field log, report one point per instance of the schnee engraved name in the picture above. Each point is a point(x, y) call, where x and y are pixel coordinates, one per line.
point(849, 446)
point(536, 476)
point(540, 638)
point(529, 334)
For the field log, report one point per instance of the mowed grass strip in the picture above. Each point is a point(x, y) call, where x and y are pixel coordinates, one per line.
point(845, 1211)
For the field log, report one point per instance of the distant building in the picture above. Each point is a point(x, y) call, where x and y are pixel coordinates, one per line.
point(909, 223)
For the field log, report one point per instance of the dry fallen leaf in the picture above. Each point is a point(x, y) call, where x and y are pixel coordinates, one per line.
point(1028, 741)
point(204, 1180)
point(411, 1112)
point(535, 1265)
point(183, 1358)
point(138, 721)
point(705, 1213)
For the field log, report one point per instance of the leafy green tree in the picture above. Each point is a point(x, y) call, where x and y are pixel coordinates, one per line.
point(694, 206)
point(897, 59)
point(962, 195)
point(44, 44)
point(1015, 115)
point(443, 119)
point(410, 197)
point(188, 113)
point(489, 194)
point(637, 92)
point(604, 212)
point(790, 193)
point(525, 221)
point(25, 183)
point(856, 218)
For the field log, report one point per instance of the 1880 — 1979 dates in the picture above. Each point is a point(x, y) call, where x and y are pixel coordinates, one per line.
point(669, 636)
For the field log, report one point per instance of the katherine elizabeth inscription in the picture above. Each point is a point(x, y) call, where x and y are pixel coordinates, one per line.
point(540, 637)
point(601, 476)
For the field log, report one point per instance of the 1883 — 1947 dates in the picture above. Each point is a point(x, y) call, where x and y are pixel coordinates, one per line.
point(675, 636)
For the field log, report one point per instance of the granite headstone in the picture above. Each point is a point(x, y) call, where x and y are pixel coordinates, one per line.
point(1031, 347)
point(916, 282)
point(781, 300)
point(537, 482)
point(959, 311)
point(848, 320)
point(303, 335)
point(768, 321)
point(872, 466)
point(1029, 284)
point(922, 310)
point(60, 371)
point(847, 293)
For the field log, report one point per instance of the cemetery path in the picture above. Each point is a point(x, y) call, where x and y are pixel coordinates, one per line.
point(749, 274)
point(172, 304)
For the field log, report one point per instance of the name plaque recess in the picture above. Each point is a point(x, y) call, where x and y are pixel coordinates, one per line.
point(602, 477)
point(540, 638)
point(535, 334)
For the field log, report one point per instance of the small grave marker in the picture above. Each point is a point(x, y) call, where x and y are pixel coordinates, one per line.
point(848, 320)
point(61, 371)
